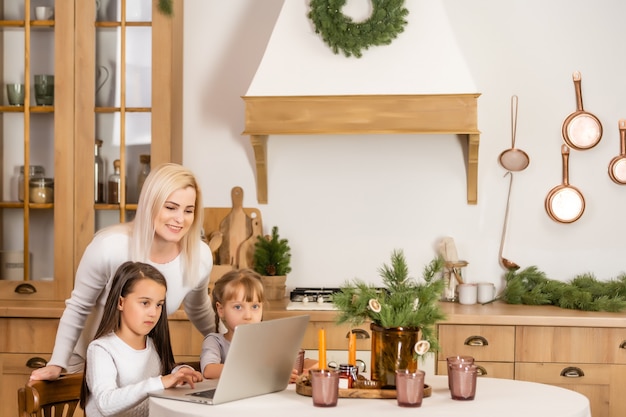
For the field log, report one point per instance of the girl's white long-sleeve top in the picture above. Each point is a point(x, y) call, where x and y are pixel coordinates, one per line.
point(120, 377)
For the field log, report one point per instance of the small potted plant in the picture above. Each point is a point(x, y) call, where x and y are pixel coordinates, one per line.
point(272, 259)
point(402, 313)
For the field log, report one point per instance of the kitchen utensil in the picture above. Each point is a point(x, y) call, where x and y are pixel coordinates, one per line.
point(564, 203)
point(503, 261)
point(581, 130)
point(214, 242)
point(617, 167)
point(514, 159)
point(235, 227)
point(246, 250)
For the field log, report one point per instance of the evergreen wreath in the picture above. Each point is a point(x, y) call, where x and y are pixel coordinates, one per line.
point(532, 287)
point(341, 33)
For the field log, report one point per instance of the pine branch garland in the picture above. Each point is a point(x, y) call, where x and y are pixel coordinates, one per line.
point(532, 287)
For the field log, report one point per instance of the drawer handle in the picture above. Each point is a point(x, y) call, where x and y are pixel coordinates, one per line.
point(480, 371)
point(476, 341)
point(36, 362)
point(623, 344)
point(360, 334)
point(25, 289)
point(572, 372)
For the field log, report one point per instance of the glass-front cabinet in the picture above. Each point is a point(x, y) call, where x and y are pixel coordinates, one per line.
point(36, 118)
point(73, 161)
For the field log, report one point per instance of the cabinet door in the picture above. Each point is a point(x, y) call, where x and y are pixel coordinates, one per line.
point(484, 343)
point(602, 384)
point(485, 369)
point(571, 344)
point(25, 344)
point(131, 100)
point(36, 224)
point(186, 340)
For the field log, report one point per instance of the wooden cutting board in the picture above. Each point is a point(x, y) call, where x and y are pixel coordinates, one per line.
point(236, 227)
point(245, 256)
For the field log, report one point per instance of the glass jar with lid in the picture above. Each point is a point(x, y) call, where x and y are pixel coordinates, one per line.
point(144, 171)
point(41, 190)
point(34, 172)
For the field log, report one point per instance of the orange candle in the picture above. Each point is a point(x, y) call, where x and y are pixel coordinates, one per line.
point(321, 347)
point(352, 348)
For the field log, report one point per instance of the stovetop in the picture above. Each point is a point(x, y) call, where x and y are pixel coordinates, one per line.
point(314, 295)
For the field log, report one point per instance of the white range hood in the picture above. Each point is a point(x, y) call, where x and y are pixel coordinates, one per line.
point(420, 83)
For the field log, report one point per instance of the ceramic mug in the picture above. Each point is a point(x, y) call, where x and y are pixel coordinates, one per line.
point(44, 12)
point(468, 293)
point(486, 292)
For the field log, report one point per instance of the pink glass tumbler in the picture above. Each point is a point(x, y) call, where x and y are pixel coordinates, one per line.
point(457, 360)
point(325, 387)
point(409, 388)
point(463, 381)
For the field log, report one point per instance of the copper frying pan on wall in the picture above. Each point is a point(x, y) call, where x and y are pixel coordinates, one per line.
point(581, 130)
point(564, 203)
point(617, 167)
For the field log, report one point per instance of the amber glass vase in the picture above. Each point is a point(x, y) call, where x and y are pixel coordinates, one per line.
point(392, 349)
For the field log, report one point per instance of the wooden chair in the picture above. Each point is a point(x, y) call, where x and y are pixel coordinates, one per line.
point(58, 398)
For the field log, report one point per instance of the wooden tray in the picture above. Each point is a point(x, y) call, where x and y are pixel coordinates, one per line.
point(304, 388)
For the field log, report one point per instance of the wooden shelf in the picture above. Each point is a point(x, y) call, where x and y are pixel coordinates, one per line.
point(455, 114)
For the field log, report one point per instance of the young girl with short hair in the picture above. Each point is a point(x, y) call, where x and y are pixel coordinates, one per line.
point(237, 298)
point(131, 353)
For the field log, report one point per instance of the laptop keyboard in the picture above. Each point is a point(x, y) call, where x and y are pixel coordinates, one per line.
point(204, 394)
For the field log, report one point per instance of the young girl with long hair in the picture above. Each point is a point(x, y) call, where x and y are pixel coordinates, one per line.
point(131, 353)
point(166, 233)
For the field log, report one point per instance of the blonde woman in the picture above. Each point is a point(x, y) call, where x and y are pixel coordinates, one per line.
point(165, 234)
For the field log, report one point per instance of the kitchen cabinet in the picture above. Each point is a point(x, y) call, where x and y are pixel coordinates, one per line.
point(492, 348)
point(581, 351)
point(37, 238)
point(136, 110)
point(26, 343)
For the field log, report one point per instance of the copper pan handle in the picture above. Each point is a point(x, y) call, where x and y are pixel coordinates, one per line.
point(579, 95)
point(622, 136)
point(565, 158)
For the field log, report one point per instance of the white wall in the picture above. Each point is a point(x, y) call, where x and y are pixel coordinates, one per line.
point(345, 202)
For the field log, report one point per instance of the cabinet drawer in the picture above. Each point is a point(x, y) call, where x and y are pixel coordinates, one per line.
point(336, 336)
point(602, 384)
point(24, 335)
point(487, 369)
point(14, 373)
point(484, 343)
point(571, 344)
point(186, 339)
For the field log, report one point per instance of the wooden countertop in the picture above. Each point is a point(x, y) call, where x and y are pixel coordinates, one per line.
point(500, 313)
point(497, 313)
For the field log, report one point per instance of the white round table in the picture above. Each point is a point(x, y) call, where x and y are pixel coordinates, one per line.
point(494, 398)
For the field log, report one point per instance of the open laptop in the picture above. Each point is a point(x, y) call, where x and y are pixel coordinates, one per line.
point(260, 360)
